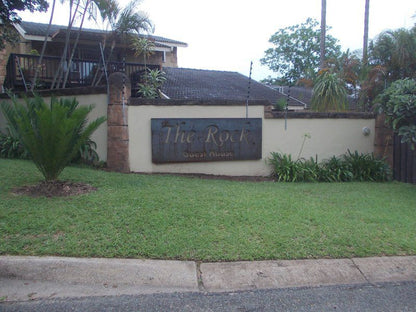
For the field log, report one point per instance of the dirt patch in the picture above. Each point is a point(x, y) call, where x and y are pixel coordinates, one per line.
point(54, 189)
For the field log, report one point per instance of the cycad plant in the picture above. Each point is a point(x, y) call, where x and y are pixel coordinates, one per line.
point(329, 93)
point(52, 134)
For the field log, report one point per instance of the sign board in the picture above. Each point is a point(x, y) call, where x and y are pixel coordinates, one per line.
point(205, 139)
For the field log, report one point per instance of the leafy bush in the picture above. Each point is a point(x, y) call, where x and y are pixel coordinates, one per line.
point(284, 168)
point(336, 169)
point(365, 167)
point(87, 154)
point(11, 147)
point(52, 134)
point(280, 104)
point(398, 102)
point(349, 167)
point(153, 81)
point(288, 170)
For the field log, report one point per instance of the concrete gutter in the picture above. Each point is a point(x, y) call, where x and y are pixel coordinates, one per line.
point(29, 278)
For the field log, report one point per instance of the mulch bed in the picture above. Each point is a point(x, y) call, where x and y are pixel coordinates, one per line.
point(55, 189)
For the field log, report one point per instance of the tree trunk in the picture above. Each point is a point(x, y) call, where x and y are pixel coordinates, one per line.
point(323, 35)
point(365, 41)
point(87, 3)
point(60, 72)
point(32, 88)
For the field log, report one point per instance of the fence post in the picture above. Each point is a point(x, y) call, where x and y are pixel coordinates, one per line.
point(117, 123)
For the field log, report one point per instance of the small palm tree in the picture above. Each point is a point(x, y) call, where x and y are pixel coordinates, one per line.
point(51, 134)
point(125, 24)
point(142, 46)
point(329, 93)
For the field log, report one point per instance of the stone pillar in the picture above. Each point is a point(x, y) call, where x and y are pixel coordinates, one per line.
point(4, 57)
point(383, 140)
point(117, 123)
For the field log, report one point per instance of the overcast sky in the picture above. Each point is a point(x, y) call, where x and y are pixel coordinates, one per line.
point(228, 34)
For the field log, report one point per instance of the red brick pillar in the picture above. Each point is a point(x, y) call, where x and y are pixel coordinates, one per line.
point(383, 140)
point(117, 124)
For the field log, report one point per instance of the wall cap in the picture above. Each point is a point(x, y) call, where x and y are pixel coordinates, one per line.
point(320, 115)
point(199, 102)
point(60, 92)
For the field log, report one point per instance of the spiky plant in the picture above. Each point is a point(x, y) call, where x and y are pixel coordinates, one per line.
point(52, 134)
point(329, 93)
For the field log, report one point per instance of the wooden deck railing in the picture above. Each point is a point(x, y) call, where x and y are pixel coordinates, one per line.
point(21, 70)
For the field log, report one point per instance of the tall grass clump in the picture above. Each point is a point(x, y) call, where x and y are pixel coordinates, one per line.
point(346, 168)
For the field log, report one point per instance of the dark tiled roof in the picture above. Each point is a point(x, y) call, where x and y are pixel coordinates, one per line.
point(301, 93)
point(38, 29)
point(197, 84)
point(304, 95)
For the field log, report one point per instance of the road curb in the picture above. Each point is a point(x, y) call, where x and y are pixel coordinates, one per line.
point(27, 278)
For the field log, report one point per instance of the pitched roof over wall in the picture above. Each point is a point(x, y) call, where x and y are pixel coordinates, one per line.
point(37, 31)
point(184, 83)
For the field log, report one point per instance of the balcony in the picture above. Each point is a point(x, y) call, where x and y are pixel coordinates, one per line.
point(82, 73)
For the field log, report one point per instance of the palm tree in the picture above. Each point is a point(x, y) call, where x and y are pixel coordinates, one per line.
point(126, 24)
point(329, 93)
point(143, 46)
point(365, 41)
point(51, 134)
point(89, 6)
point(42, 53)
point(62, 64)
point(396, 52)
point(323, 34)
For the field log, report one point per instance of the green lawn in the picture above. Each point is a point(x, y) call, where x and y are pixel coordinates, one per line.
point(170, 217)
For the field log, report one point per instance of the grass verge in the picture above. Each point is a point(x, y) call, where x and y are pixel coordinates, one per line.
point(171, 217)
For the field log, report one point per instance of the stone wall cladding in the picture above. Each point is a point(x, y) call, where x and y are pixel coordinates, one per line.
point(117, 127)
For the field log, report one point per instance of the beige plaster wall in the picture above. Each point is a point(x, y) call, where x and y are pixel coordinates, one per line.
point(328, 137)
point(100, 109)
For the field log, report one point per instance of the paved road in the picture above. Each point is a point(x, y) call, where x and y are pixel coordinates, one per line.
point(399, 296)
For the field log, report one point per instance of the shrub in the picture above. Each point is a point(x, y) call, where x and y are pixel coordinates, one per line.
point(349, 167)
point(51, 134)
point(10, 147)
point(281, 104)
point(365, 167)
point(398, 102)
point(87, 154)
point(153, 81)
point(336, 169)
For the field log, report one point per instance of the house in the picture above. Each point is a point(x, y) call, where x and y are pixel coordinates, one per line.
point(87, 55)
point(18, 65)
